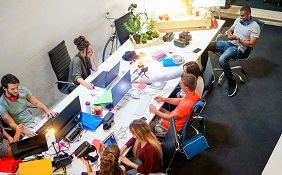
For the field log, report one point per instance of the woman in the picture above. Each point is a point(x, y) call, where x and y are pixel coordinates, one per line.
point(189, 67)
point(109, 161)
point(81, 64)
point(146, 148)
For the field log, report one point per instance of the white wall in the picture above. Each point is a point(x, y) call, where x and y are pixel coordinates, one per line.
point(30, 28)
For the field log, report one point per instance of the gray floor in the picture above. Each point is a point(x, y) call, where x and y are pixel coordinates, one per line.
point(242, 131)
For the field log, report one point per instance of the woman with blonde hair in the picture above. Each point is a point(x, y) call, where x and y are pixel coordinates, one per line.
point(146, 150)
point(109, 161)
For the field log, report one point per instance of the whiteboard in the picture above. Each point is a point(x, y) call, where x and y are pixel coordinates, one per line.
point(209, 3)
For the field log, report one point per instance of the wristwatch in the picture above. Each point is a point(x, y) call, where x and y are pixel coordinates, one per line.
point(239, 39)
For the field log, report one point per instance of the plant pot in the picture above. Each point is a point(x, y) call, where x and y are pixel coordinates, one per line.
point(155, 39)
point(144, 42)
point(137, 38)
point(150, 33)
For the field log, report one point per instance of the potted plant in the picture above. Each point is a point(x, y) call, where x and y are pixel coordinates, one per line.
point(155, 35)
point(134, 27)
point(150, 27)
point(144, 37)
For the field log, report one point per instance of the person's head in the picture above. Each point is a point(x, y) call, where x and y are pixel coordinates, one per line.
point(83, 46)
point(192, 67)
point(188, 82)
point(109, 161)
point(245, 13)
point(10, 84)
point(141, 131)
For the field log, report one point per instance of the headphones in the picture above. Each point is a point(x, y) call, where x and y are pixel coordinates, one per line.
point(12, 99)
point(245, 23)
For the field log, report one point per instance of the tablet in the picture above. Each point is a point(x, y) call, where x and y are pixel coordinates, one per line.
point(111, 139)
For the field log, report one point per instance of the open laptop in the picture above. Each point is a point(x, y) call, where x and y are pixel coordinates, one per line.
point(111, 139)
point(106, 77)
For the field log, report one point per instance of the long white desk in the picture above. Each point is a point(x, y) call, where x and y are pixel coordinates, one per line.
point(125, 115)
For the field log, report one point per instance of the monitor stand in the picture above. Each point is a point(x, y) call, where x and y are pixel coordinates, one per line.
point(76, 132)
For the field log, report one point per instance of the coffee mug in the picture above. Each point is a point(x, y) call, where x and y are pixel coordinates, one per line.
point(98, 110)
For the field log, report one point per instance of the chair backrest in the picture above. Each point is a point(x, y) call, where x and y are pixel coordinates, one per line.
point(170, 145)
point(60, 61)
point(208, 75)
point(1, 90)
point(122, 33)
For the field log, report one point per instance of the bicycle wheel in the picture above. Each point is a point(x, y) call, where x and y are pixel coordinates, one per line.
point(110, 47)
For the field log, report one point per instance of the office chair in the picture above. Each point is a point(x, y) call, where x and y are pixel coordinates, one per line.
point(209, 78)
point(245, 56)
point(60, 61)
point(122, 33)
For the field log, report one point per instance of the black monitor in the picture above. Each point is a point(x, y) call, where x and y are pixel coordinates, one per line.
point(65, 122)
point(28, 147)
point(121, 88)
point(112, 74)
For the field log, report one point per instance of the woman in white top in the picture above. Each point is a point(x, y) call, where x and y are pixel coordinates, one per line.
point(189, 67)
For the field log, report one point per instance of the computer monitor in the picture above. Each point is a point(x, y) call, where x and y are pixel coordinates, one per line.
point(65, 122)
point(28, 147)
point(121, 88)
point(112, 74)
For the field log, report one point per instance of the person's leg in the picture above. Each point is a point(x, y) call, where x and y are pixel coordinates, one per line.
point(130, 170)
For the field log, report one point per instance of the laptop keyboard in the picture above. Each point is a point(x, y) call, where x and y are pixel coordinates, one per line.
point(143, 104)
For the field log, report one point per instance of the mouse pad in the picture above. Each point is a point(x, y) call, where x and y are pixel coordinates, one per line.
point(158, 85)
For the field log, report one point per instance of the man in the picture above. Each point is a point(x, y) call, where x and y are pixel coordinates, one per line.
point(243, 33)
point(13, 105)
point(188, 84)
point(5, 150)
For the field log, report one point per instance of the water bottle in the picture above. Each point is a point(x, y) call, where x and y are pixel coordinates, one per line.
point(88, 107)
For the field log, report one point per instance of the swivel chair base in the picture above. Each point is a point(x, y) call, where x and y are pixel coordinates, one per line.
point(221, 78)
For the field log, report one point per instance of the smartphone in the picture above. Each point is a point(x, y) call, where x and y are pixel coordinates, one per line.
point(197, 50)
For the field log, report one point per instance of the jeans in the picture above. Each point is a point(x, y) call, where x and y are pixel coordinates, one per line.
point(228, 50)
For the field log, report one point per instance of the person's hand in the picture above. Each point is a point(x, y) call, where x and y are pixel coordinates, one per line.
point(178, 95)
point(228, 33)
point(125, 160)
point(19, 130)
point(100, 147)
point(152, 109)
point(90, 86)
point(143, 81)
point(159, 98)
point(51, 114)
point(84, 161)
point(29, 133)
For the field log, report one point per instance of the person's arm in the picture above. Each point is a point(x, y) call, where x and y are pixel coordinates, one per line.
point(163, 77)
point(94, 65)
point(41, 106)
point(129, 143)
point(173, 101)
point(230, 31)
point(88, 167)
point(84, 83)
point(7, 136)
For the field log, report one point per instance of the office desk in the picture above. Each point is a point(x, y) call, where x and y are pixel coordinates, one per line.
point(125, 115)
point(200, 39)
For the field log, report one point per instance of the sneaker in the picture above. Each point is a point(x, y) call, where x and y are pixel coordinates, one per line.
point(233, 87)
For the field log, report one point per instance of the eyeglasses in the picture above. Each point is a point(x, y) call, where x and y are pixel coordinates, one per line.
point(122, 133)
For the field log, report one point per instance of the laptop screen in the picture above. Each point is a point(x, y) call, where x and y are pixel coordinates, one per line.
point(110, 140)
point(112, 74)
point(121, 88)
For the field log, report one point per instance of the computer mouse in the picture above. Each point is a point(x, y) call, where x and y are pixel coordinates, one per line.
point(97, 88)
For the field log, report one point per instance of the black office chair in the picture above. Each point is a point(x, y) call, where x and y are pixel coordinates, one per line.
point(60, 61)
point(122, 33)
point(209, 78)
point(245, 56)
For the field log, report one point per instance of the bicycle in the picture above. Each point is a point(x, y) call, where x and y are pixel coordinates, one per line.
point(114, 41)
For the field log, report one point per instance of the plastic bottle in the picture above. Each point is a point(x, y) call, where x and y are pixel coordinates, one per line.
point(88, 107)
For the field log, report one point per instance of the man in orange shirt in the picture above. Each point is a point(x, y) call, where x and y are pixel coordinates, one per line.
point(188, 84)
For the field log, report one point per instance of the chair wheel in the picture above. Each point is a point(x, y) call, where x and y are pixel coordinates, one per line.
point(242, 82)
point(219, 85)
point(243, 70)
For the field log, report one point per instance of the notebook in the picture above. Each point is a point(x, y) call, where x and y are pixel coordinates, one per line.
point(106, 77)
point(111, 139)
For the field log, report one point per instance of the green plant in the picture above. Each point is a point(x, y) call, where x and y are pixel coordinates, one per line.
point(133, 25)
point(144, 37)
point(150, 24)
point(155, 34)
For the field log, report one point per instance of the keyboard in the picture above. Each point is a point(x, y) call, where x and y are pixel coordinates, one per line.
point(47, 125)
point(143, 103)
point(73, 134)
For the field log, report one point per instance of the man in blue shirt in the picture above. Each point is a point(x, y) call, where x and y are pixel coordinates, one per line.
point(242, 34)
point(13, 105)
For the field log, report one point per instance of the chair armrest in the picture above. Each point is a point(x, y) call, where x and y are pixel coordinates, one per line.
point(65, 82)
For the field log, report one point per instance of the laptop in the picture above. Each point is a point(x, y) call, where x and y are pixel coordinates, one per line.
point(111, 139)
point(106, 77)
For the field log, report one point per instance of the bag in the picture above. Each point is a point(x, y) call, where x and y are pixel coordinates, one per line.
point(197, 142)
point(9, 165)
point(195, 145)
